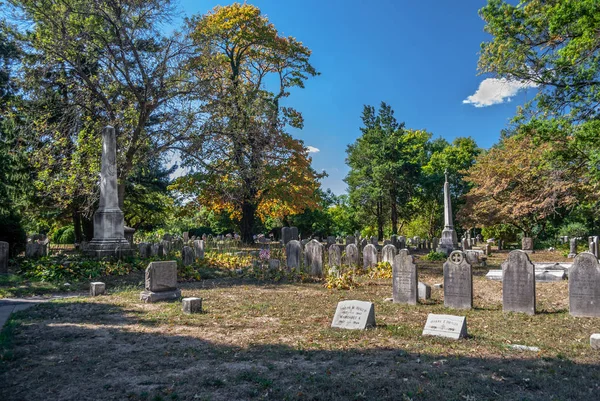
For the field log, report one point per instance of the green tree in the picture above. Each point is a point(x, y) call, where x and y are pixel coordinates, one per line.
point(248, 165)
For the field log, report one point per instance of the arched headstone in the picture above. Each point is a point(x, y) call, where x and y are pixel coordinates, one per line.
point(518, 283)
point(584, 286)
point(405, 279)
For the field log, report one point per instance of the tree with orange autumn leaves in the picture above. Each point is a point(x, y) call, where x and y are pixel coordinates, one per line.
point(243, 162)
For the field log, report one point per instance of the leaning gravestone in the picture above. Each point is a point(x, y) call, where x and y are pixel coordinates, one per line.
point(518, 283)
point(584, 286)
point(293, 251)
point(388, 253)
point(354, 315)
point(188, 256)
point(3, 257)
point(448, 326)
point(352, 256)
point(458, 282)
point(369, 256)
point(161, 282)
point(335, 256)
point(313, 252)
point(199, 248)
point(404, 279)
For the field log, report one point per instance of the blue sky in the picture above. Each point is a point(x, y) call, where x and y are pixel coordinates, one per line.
point(418, 56)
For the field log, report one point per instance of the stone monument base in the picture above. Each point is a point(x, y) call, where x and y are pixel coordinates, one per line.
point(149, 296)
point(107, 247)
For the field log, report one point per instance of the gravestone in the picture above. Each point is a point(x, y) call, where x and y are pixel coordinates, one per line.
point(145, 250)
point(186, 236)
point(488, 249)
point(388, 253)
point(369, 256)
point(109, 223)
point(286, 235)
point(465, 244)
point(375, 241)
point(354, 315)
point(518, 283)
point(294, 233)
point(352, 256)
point(350, 240)
point(274, 264)
point(330, 241)
point(3, 257)
point(404, 279)
point(584, 286)
point(35, 250)
point(362, 244)
point(188, 256)
point(191, 305)
point(448, 326)
point(527, 244)
point(424, 291)
point(157, 250)
point(593, 244)
point(161, 282)
point(573, 248)
point(387, 242)
point(458, 282)
point(199, 248)
point(313, 253)
point(435, 243)
point(97, 288)
point(335, 256)
point(401, 242)
point(293, 251)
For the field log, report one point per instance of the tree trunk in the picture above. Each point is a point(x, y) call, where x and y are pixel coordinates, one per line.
point(88, 228)
point(247, 222)
point(77, 226)
point(394, 213)
point(380, 220)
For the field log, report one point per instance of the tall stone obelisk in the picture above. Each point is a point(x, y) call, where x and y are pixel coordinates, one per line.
point(108, 219)
point(448, 242)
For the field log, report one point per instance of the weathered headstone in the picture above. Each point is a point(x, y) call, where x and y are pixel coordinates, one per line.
point(374, 241)
point(145, 250)
point(35, 250)
point(362, 244)
point(109, 231)
point(518, 283)
point(388, 253)
point(157, 250)
point(313, 252)
point(330, 241)
point(435, 243)
point(369, 256)
point(488, 249)
point(97, 288)
point(199, 248)
point(584, 286)
point(593, 245)
point(573, 248)
point(161, 282)
point(3, 257)
point(350, 240)
point(527, 244)
point(448, 326)
point(186, 236)
point(335, 256)
point(401, 242)
point(404, 279)
point(294, 232)
point(465, 244)
point(354, 315)
point(187, 255)
point(274, 264)
point(352, 255)
point(387, 242)
point(293, 251)
point(191, 305)
point(286, 235)
point(458, 282)
point(424, 291)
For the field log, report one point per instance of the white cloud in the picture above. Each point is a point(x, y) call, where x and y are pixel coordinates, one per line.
point(495, 91)
point(312, 149)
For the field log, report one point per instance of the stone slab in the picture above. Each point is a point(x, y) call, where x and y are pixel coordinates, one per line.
point(161, 276)
point(448, 326)
point(191, 305)
point(97, 288)
point(595, 341)
point(424, 291)
point(150, 297)
point(541, 276)
point(354, 315)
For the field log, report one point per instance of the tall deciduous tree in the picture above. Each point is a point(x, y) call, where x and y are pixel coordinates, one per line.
point(117, 68)
point(518, 183)
point(245, 161)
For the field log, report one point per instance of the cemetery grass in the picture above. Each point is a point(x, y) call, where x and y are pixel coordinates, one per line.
point(259, 340)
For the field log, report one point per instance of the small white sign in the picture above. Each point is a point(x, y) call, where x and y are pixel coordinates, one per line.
point(354, 315)
point(446, 326)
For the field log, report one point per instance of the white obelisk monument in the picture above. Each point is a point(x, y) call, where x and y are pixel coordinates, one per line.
point(108, 219)
point(448, 242)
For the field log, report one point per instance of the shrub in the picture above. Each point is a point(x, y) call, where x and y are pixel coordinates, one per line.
point(574, 230)
point(435, 256)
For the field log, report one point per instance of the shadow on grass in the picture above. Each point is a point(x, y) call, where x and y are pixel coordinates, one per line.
point(88, 351)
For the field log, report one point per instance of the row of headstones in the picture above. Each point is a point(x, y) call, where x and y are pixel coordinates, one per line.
point(189, 253)
point(592, 246)
point(518, 283)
